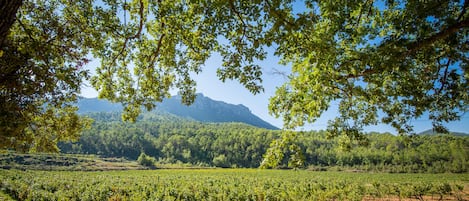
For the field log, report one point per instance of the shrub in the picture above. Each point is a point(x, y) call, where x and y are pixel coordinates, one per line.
point(146, 160)
point(221, 161)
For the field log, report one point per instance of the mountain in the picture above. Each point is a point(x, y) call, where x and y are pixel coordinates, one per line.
point(87, 105)
point(207, 110)
point(432, 132)
point(203, 109)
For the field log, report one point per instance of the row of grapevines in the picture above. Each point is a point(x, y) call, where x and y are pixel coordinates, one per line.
point(226, 184)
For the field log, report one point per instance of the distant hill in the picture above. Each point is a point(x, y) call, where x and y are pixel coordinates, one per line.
point(204, 109)
point(87, 105)
point(432, 132)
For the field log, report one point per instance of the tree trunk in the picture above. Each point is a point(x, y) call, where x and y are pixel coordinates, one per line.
point(8, 10)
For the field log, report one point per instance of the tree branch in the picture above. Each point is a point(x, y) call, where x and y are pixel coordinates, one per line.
point(238, 14)
point(142, 19)
point(445, 76)
point(278, 16)
point(419, 44)
point(155, 54)
point(158, 48)
point(137, 35)
point(415, 46)
point(361, 12)
point(8, 9)
point(464, 9)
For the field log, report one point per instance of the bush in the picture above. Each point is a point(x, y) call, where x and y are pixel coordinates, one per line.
point(221, 161)
point(146, 160)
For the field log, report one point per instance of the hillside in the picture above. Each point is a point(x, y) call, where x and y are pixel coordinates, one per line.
point(204, 109)
point(171, 139)
point(432, 132)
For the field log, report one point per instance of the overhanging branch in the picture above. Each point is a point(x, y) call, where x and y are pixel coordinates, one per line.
point(415, 46)
point(419, 44)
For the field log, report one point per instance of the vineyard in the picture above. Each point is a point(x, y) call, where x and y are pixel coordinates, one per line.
point(230, 184)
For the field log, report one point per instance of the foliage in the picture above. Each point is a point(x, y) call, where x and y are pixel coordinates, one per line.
point(41, 74)
point(383, 61)
point(167, 41)
point(146, 160)
point(221, 161)
point(227, 184)
point(279, 148)
point(171, 139)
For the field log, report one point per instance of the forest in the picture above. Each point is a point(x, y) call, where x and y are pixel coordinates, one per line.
point(175, 140)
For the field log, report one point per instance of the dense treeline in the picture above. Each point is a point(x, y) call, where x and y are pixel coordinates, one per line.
point(171, 139)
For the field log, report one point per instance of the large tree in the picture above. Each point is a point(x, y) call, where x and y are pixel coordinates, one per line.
point(41, 57)
point(384, 61)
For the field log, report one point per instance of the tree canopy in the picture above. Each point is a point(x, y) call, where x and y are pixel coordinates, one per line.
point(385, 61)
point(41, 59)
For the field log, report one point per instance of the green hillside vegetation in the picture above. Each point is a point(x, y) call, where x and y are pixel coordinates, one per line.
point(433, 132)
point(174, 140)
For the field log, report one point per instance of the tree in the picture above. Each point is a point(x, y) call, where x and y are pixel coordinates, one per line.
point(401, 58)
point(41, 59)
point(7, 17)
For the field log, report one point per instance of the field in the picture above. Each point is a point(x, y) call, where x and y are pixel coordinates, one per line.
point(229, 184)
point(64, 162)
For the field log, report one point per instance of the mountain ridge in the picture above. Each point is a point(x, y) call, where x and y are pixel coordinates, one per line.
point(432, 132)
point(204, 109)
